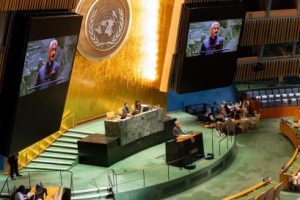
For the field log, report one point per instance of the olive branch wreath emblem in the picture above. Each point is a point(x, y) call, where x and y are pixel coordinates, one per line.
point(115, 37)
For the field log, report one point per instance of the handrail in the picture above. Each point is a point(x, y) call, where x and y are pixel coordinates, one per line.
point(287, 130)
point(46, 171)
point(291, 160)
point(40, 146)
point(248, 190)
point(226, 136)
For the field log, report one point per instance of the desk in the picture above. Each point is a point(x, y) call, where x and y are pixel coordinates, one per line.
point(183, 149)
point(135, 127)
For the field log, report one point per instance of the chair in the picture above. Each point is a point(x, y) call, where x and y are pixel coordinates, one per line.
point(253, 121)
point(293, 102)
point(268, 92)
point(270, 194)
point(295, 90)
point(285, 102)
point(277, 189)
point(249, 94)
point(262, 92)
point(282, 91)
point(244, 126)
point(110, 115)
point(261, 196)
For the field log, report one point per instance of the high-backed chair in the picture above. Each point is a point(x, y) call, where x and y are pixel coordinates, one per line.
point(277, 189)
point(253, 121)
point(261, 196)
point(270, 194)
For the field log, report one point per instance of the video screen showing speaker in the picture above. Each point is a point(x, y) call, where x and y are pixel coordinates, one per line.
point(212, 37)
point(47, 62)
point(36, 77)
point(207, 46)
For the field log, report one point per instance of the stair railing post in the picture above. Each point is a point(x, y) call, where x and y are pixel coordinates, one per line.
point(61, 182)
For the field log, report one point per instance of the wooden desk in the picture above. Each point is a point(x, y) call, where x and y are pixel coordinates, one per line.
point(52, 192)
point(183, 150)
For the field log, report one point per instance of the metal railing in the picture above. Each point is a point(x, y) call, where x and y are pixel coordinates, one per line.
point(35, 177)
point(141, 178)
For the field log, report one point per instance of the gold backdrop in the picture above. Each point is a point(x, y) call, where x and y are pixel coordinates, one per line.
point(97, 87)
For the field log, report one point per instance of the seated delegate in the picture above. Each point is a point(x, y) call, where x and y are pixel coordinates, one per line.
point(125, 111)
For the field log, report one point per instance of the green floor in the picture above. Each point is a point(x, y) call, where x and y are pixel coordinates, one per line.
point(260, 152)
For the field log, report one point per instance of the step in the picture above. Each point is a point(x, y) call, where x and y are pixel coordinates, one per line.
point(47, 166)
point(58, 155)
point(53, 161)
point(90, 190)
point(75, 135)
point(91, 196)
point(64, 145)
point(82, 132)
point(62, 150)
point(68, 140)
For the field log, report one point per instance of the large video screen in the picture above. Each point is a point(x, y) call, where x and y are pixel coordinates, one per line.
point(41, 51)
point(48, 62)
point(213, 37)
point(207, 46)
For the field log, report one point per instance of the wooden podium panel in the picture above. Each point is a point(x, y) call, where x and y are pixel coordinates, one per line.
point(184, 149)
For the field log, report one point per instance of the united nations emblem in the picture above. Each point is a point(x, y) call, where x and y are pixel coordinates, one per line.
point(105, 27)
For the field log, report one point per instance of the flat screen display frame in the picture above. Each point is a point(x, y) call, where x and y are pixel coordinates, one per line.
point(195, 73)
point(32, 117)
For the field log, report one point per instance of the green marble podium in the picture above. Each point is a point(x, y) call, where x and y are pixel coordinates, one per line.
point(136, 126)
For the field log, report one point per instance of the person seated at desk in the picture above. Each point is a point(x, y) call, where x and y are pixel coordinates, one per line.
point(236, 114)
point(177, 131)
point(137, 107)
point(125, 111)
point(227, 109)
point(20, 194)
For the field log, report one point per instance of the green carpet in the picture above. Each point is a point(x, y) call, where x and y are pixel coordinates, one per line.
point(260, 152)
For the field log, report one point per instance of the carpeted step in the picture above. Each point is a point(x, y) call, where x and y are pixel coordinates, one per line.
point(75, 135)
point(67, 140)
point(58, 155)
point(92, 196)
point(47, 166)
point(90, 190)
point(82, 132)
point(64, 145)
point(53, 161)
point(61, 150)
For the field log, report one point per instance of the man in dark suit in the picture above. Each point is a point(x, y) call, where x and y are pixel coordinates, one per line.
point(214, 43)
point(49, 71)
point(13, 164)
point(177, 129)
point(125, 111)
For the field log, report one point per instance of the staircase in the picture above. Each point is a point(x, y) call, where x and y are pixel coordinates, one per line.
point(61, 155)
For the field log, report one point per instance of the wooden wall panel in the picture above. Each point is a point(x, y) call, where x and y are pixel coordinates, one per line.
point(271, 31)
point(208, 1)
point(273, 68)
point(12, 5)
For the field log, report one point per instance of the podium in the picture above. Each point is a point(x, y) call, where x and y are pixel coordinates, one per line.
point(184, 149)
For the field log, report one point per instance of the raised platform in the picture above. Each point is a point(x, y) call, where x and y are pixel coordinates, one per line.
point(143, 175)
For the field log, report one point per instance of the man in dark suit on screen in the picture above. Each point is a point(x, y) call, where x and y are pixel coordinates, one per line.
point(214, 43)
point(49, 71)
